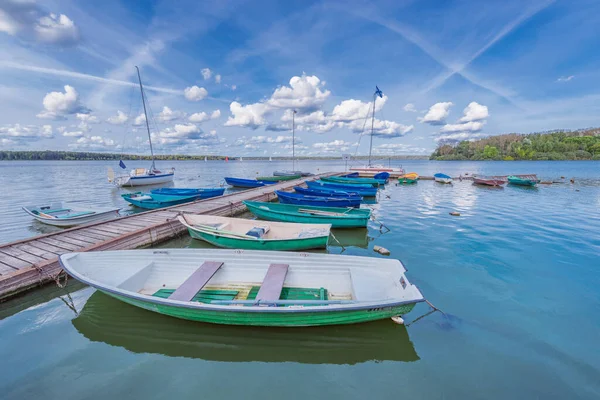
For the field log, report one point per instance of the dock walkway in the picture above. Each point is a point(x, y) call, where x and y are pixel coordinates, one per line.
point(27, 263)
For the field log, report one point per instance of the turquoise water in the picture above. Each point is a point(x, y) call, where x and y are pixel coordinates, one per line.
point(517, 275)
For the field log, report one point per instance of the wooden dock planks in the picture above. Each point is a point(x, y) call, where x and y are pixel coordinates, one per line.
point(26, 263)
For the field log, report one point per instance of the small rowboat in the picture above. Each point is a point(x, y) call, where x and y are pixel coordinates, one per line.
point(291, 173)
point(363, 190)
point(152, 201)
point(242, 287)
point(353, 181)
point(200, 193)
point(246, 183)
point(106, 320)
point(352, 175)
point(337, 217)
point(239, 233)
point(442, 178)
point(377, 169)
point(488, 181)
point(278, 178)
point(300, 199)
point(411, 177)
point(523, 180)
point(324, 193)
point(60, 214)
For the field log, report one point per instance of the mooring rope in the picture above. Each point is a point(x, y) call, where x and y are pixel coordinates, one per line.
point(338, 242)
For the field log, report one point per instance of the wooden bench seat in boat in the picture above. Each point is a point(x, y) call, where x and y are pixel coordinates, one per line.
point(272, 284)
point(192, 285)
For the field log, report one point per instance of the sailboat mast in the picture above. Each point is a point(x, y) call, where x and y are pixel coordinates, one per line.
point(293, 140)
point(372, 126)
point(146, 115)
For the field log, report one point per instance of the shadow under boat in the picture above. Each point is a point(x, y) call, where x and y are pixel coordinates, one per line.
point(104, 319)
point(358, 237)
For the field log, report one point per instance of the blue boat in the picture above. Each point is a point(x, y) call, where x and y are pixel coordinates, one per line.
point(351, 175)
point(362, 190)
point(442, 178)
point(324, 193)
point(200, 193)
point(152, 201)
point(382, 175)
point(300, 199)
point(247, 183)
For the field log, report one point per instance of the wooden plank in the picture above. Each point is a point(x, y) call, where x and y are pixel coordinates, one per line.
point(77, 242)
point(46, 247)
point(14, 262)
point(6, 269)
point(59, 243)
point(116, 227)
point(99, 235)
point(270, 290)
point(80, 237)
point(36, 251)
point(192, 285)
point(21, 255)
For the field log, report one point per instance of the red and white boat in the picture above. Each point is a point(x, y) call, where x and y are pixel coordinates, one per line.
point(489, 180)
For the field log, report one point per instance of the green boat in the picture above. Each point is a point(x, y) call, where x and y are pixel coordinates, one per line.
point(239, 233)
point(337, 217)
point(354, 181)
point(241, 287)
point(411, 177)
point(523, 180)
point(278, 178)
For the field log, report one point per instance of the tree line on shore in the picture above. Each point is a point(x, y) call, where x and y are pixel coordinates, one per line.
point(557, 145)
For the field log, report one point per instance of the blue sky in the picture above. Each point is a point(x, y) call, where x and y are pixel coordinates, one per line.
point(223, 77)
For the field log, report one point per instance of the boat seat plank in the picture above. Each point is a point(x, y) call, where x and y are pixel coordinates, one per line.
point(272, 284)
point(192, 285)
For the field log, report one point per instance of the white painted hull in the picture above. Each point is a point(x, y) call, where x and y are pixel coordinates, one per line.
point(100, 214)
point(130, 181)
point(443, 180)
point(377, 169)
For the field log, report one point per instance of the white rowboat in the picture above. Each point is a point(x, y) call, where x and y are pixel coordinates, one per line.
point(59, 214)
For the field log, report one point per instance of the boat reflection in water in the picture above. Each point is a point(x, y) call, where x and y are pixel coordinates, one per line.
point(104, 319)
point(358, 237)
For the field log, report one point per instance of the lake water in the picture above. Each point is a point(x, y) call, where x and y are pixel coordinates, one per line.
point(517, 275)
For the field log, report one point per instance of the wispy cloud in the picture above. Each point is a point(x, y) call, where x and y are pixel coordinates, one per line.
point(565, 78)
point(79, 75)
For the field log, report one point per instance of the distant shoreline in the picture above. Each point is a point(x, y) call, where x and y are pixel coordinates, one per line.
point(50, 155)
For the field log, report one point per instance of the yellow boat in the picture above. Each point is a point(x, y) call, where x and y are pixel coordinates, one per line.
point(411, 177)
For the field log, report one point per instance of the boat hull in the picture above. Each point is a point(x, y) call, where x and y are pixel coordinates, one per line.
point(359, 220)
point(278, 178)
point(363, 190)
point(299, 319)
point(144, 180)
point(157, 201)
point(244, 183)
point(288, 198)
point(104, 216)
point(227, 242)
point(522, 182)
point(377, 169)
point(488, 182)
point(324, 193)
point(200, 193)
point(354, 181)
point(407, 180)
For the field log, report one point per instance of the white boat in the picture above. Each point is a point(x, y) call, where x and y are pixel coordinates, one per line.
point(375, 169)
point(270, 159)
point(60, 214)
point(291, 173)
point(442, 178)
point(243, 287)
point(205, 159)
point(142, 176)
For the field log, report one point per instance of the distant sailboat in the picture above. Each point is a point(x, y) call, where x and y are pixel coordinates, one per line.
point(370, 167)
point(270, 159)
point(205, 159)
point(241, 159)
point(142, 176)
point(293, 172)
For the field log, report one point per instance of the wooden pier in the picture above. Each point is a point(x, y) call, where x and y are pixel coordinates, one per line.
point(30, 262)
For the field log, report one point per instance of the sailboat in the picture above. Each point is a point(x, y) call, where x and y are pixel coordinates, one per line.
point(375, 168)
point(293, 172)
point(205, 159)
point(270, 159)
point(241, 158)
point(142, 176)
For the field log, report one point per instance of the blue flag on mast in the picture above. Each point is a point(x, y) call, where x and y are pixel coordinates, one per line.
point(122, 164)
point(378, 92)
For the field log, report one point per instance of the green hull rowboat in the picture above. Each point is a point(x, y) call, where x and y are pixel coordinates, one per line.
point(278, 178)
point(238, 233)
point(337, 217)
point(264, 288)
point(354, 181)
point(523, 181)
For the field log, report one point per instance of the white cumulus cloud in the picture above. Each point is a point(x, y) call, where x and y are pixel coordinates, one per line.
point(195, 93)
point(206, 73)
point(475, 112)
point(59, 104)
point(410, 108)
point(217, 78)
point(437, 113)
point(118, 119)
point(167, 115)
point(55, 28)
point(251, 116)
point(304, 93)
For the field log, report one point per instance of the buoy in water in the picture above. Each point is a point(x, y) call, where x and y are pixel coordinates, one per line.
point(572, 180)
point(381, 250)
point(398, 319)
point(455, 214)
